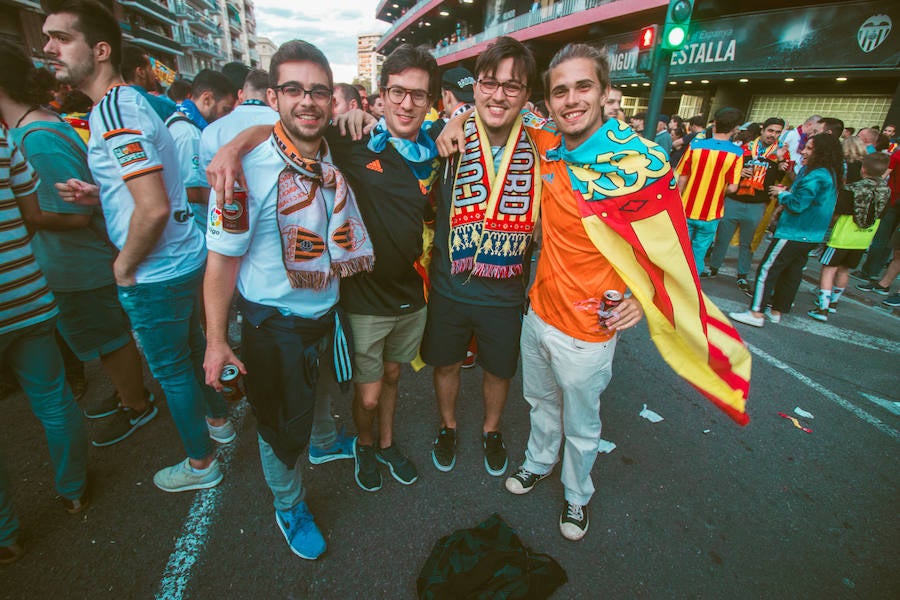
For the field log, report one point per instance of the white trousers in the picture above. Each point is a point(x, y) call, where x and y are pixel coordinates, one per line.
point(563, 378)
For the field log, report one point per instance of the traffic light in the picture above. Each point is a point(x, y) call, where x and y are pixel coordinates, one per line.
point(678, 17)
point(646, 49)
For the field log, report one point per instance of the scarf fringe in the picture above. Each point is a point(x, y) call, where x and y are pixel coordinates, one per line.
point(462, 265)
point(315, 280)
point(347, 268)
point(497, 271)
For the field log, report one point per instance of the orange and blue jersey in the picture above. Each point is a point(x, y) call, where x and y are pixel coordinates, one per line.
point(710, 166)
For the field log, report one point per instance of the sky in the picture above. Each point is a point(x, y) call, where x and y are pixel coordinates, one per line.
point(332, 25)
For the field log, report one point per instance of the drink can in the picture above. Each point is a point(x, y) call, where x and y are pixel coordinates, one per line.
point(231, 383)
point(611, 299)
point(235, 218)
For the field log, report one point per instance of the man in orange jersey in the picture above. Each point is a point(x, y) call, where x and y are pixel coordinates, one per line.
point(608, 223)
point(710, 169)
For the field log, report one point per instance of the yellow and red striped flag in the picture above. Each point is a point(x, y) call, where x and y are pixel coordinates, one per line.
point(644, 237)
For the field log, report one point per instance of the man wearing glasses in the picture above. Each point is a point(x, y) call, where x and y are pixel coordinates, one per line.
point(486, 214)
point(287, 246)
point(611, 218)
point(392, 172)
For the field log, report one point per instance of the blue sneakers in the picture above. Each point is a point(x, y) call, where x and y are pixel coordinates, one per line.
point(341, 448)
point(301, 532)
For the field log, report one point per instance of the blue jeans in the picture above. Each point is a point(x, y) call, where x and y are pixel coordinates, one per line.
point(745, 215)
point(702, 234)
point(165, 317)
point(34, 358)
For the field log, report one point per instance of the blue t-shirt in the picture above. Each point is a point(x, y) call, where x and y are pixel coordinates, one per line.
point(75, 259)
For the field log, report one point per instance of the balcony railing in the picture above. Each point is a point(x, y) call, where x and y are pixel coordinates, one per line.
point(530, 19)
point(237, 46)
point(401, 22)
point(158, 10)
point(200, 45)
point(195, 17)
point(146, 37)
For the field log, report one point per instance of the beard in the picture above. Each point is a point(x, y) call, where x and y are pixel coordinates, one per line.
point(301, 134)
point(74, 75)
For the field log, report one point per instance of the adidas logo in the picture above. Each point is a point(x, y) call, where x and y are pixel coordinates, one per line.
point(375, 165)
point(548, 177)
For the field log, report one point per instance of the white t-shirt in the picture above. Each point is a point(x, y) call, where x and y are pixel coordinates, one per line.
point(262, 277)
point(223, 130)
point(186, 136)
point(128, 140)
point(791, 141)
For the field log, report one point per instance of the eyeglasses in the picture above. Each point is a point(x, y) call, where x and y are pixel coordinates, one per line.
point(397, 95)
point(510, 88)
point(319, 93)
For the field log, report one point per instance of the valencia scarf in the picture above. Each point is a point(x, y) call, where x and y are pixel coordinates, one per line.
point(317, 246)
point(632, 213)
point(493, 210)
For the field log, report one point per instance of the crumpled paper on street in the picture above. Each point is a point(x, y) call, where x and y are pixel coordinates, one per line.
point(650, 415)
point(605, 447)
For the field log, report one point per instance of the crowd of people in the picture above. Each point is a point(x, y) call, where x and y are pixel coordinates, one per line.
point(349, 252)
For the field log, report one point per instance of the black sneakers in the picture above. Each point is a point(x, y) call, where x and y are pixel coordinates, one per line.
point(121, 424)
point(366, 469)
point(524, 481)
point(443, 450)
point(402, 469)
point(574, 521)
point(495, 459)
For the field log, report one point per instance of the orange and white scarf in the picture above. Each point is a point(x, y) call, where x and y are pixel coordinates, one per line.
point(315, 245)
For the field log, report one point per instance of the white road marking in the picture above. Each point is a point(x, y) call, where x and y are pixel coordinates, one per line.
point(807, 325)
point(839, 400)
point(892, 406)
point(195, 530)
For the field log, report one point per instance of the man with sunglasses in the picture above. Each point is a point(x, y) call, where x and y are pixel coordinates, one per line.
point(392, 171)
point(486, 213)
point(286, 246)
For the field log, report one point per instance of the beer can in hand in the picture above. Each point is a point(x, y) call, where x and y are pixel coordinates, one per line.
point(235, 218)
point(231, 383)
point(611, 301)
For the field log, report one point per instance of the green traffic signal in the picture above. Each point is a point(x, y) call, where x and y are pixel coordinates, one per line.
point(675, 37)
point(678, 17)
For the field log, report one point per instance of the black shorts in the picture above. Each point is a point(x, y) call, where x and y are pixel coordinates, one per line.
point(841, 257)
point(452, 324)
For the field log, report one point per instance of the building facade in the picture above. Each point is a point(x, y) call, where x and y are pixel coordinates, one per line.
point(788, 58)
point(266, 49)
point(368, 61)
point(180, 36)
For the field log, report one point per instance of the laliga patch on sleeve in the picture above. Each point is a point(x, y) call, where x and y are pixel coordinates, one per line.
point(214, 222)
point(130, 153)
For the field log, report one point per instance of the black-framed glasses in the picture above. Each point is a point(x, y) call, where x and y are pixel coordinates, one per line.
point(397, 95)
point(510, 88)
point(319, 93)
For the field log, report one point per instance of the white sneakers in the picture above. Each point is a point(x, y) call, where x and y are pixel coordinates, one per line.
point(183, 477)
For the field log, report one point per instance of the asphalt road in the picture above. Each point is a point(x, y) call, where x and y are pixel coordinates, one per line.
point(693, 506)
